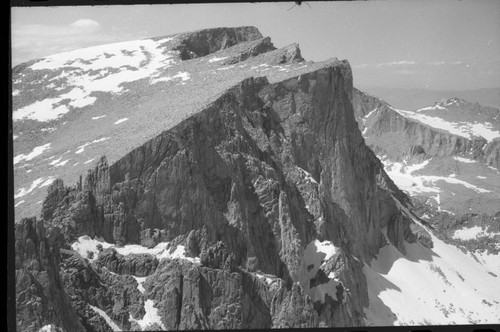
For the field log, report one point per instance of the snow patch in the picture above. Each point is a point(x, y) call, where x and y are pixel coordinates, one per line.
point(121, 120)
point(43, 110)
point(81, 148)
point(49, 328)
point(140, 282)
point(19, 203)
point(269, 278)
point(314, 256)
point(215, 59)
point(62, 163)
point(108, 319)
point(472, 233)
point(23, 192)
point(85, 243)
point(464, 129)
point(36, 152)
point(89, 161)
point(402, 176)
point(150, 317)
point(98, 117)
point(183, 76)
point(226, 68)
point(464, 160)
point(99, 68)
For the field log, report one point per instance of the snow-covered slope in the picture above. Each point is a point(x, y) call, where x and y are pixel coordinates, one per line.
point(437, 155)
point(437, 286)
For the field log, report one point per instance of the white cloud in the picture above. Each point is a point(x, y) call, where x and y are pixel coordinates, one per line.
point(404, 72)
point(397, 63)
point(86, 25)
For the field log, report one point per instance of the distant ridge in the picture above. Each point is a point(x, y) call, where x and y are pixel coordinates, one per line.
point(412, 99)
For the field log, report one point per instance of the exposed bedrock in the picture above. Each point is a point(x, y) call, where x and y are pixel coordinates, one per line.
point(264, 170)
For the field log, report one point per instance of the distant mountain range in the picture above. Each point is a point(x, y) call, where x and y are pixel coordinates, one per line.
point(448, 152)
point(412, 99)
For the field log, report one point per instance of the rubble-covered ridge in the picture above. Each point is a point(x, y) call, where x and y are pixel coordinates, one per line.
point(110, 99)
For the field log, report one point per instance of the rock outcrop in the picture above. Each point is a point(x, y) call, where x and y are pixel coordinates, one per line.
point(492, 153)
point(200, 43)
point(248, 182)
point(245, 186)
point(40, 296)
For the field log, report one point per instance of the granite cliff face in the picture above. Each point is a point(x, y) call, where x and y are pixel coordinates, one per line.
point(250, 191)
point(40, 297)
point(262, 208)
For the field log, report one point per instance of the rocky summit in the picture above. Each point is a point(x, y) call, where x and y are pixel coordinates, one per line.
point(209, 180)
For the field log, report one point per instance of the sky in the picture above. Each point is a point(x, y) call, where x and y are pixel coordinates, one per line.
point(437, 45)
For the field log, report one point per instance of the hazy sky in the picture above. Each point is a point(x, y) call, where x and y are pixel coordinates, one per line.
point(450, 45)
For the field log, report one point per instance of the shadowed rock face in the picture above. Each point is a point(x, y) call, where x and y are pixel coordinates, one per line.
point(246, 184)
point(200, 43)
point(40, 297)
point(492, 153)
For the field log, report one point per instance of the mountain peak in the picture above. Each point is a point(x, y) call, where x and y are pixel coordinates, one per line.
point(453, 101)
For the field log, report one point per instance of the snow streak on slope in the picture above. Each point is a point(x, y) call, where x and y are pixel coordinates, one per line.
point(40, 182)
point(401, 174)
point(86, 244)
point(99, 68)
point(464, 129)
point(36, 152)
point(438, 286)
point(150, 317)
point(104, 315)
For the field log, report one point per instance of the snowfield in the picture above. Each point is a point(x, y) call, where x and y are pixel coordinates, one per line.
point(36, 152)
point(102, 68)
point(402, 175)
point(438, 286)
point(464, 129)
